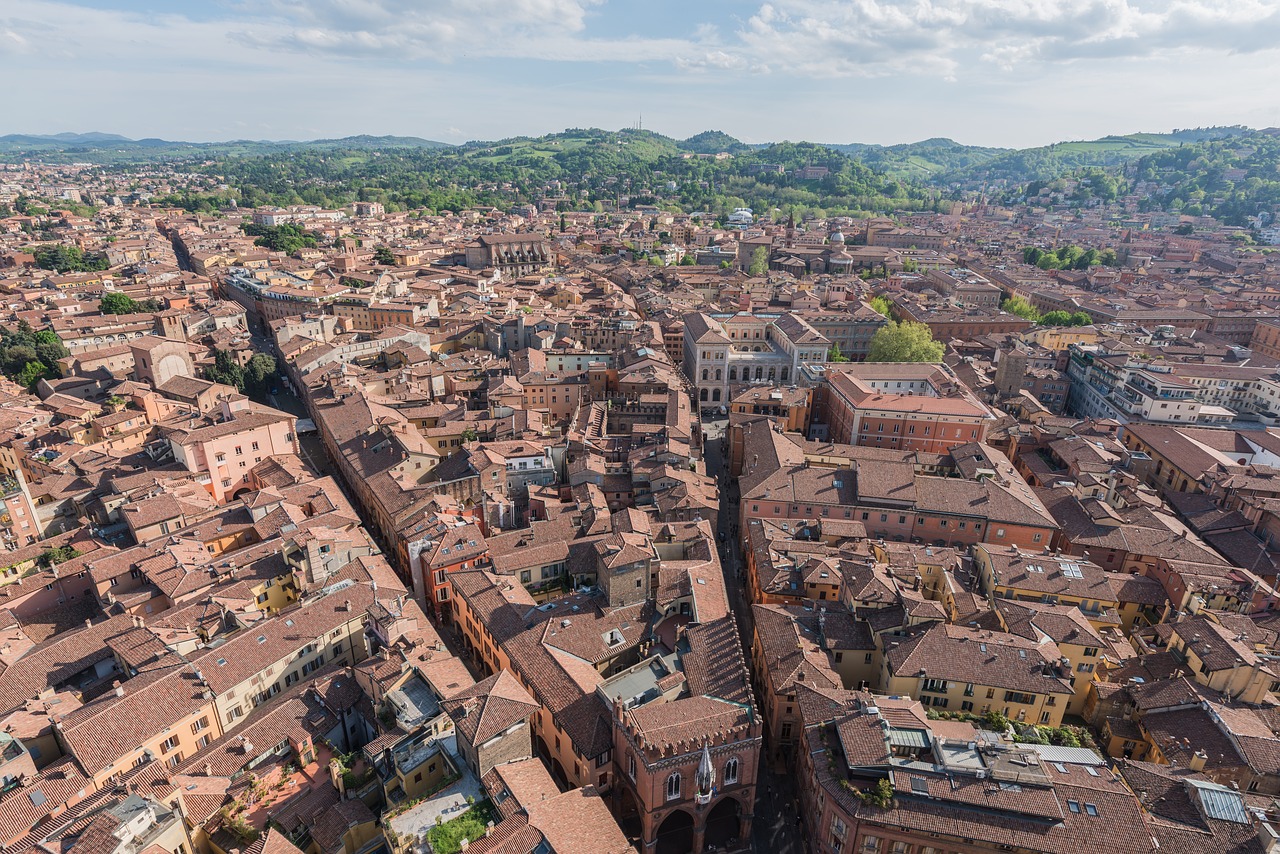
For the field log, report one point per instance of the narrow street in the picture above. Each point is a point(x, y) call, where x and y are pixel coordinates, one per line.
point(775, 829)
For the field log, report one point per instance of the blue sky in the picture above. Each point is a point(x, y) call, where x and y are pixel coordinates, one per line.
point(991, 72)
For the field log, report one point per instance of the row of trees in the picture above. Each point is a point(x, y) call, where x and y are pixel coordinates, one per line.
point(1022, 308)
point(1069, 258)
point(69, 259)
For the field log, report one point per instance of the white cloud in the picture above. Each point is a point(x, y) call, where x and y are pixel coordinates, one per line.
point(449, 30)
point(943, 37)
point(492, 68)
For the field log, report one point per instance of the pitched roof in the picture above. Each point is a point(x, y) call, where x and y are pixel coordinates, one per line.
point(488, 707)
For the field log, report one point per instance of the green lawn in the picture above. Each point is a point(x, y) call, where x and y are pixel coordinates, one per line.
point(447, 838)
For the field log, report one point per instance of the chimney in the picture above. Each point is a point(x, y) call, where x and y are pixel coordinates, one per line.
point(1198, 760)
point(119, 689)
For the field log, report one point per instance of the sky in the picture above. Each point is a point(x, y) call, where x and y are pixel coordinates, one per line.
point(1008, 73)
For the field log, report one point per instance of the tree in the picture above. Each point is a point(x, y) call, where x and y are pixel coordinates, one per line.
point(882, 305)
point(1020, 307)
point(117, 303)
point(280, 238)
point(56, 555)
point(1056, 318)
point(1081, 318)
point(382, 255)
point(904, 342)
point(759, 262)
point(31, 374)
point(834, 354)
point(259, 373)
point(225, 370)
point(688, 260)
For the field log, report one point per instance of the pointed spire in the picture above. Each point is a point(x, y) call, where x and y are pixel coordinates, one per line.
point(706, 776)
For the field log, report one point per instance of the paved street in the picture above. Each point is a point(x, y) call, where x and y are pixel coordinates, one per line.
point(775, 829)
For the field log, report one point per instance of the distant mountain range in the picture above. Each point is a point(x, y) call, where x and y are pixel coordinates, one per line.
point(939, 161)
point(115, 148)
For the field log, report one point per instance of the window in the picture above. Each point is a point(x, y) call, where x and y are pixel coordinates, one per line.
point(1091, 809)
point(239, 451)
point(673, 787)
point(203, 741)
point(935, 686)
point(169, 744)
point(254, 446)
point(631, 765)
point(731, 771)
point(175, 760)
point(203, 723)
point(871, 845)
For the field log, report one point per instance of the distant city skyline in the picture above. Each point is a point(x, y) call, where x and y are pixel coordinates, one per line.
point(1006, 73)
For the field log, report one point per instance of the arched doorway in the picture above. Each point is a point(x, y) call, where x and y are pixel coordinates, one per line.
point(723, 822)
point(675, 834)
point(629, 815)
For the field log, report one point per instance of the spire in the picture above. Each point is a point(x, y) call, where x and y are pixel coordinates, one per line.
point(706, 776)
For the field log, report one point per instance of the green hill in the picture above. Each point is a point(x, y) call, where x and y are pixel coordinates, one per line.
point(928, 160)
point(1047, 162)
